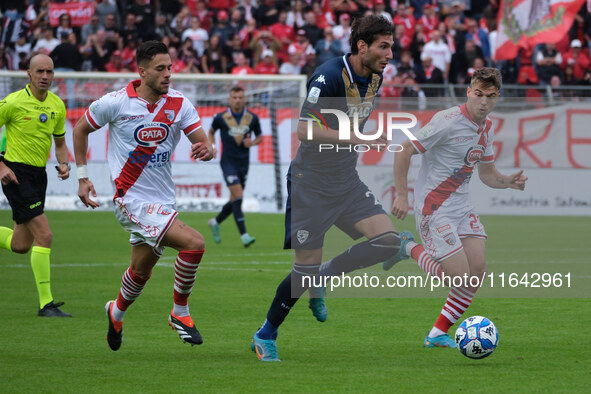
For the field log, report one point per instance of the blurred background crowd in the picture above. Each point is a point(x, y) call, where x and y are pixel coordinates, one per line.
point(435, 42)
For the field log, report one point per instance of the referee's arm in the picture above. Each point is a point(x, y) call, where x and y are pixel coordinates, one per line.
point(62, 154)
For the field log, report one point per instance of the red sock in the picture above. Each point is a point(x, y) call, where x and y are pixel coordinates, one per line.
point(425, 261)
point(185, 271)
point(458, 300)
point(131, 288)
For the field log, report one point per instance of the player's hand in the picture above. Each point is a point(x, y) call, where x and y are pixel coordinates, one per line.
point(400, 207)
point(7, 175)
point(247, 142)
point(517, 180)
point(201, 151)
point(85, 187)
point(63, 171)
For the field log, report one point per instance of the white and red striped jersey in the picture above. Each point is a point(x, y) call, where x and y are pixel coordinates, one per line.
point(451, 145)
point(142, 139)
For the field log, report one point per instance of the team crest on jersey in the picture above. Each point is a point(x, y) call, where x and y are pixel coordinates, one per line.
point(43, 118)
point(302, 235)
point(151, 134)
point(170, 114)
point(474, 155)
point(450, 239)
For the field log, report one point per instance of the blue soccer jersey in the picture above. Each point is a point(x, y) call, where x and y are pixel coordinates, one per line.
point(334, 85)
point(234, 128)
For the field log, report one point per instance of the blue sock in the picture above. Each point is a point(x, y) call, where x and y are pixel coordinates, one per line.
point(288, 293)
point(267, 331)
point(238, 215)
point(224, 213)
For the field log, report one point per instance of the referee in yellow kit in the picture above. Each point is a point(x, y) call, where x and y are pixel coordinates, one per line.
point(33, 116)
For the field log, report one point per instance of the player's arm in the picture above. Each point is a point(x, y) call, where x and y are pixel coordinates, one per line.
point(211, 136)
point(85, 186)
point(62, 154)
point(401, 165)
point(256, 128)
point(491, 177)
point(201, 148)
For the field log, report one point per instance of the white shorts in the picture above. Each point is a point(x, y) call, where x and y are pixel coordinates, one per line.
point(147, 222)
point(441, 232)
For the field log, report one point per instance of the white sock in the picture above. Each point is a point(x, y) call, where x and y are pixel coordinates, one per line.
point(213, 222)
point(117, 313)
point(180, 310)
point(409, 246)
point(435, 332)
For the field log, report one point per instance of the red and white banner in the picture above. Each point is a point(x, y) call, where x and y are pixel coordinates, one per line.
point(525, 23)
point(80, 12)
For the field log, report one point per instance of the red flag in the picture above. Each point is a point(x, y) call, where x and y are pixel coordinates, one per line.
point(525, 23)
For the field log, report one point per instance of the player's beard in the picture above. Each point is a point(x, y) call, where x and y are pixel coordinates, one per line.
point(373, 64)
point(158, 89)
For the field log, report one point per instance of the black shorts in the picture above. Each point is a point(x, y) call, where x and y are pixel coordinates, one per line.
point(234, 174)
point(27, 198)
point(310, 214)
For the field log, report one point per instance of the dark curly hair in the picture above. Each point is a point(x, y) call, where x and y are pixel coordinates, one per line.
point(487, 77)
point(368, 28)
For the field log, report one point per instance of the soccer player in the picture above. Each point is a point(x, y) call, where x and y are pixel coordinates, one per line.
point(237, 126)
point(145, 123)
point(452, 144)
point(32, 117)
point(324, 187)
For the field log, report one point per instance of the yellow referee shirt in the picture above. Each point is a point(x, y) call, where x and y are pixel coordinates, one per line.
point(30, 125)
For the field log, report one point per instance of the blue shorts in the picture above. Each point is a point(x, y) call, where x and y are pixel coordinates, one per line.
point(235, 175)
point(310, 214)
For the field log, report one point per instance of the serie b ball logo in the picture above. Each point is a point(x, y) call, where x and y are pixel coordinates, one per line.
point(477, 337)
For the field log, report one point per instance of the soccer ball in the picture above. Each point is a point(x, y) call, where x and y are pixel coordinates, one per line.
point(477, 337)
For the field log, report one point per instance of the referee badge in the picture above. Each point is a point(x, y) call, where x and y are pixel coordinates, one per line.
point(43, 118)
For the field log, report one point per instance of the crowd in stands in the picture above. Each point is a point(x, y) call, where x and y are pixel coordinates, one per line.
point(435, 41)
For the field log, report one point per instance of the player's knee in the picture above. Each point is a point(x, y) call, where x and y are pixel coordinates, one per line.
point(385, 245)
point(20, 249)
point(196, 242)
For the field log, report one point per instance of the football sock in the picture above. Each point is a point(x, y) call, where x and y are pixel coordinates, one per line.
point(267, 331)
point(363, 255)
point(40, 265)
point(287, 294)
point(224, 213)
point(238, 215)
point(425, 261)
point(131, 288)
point(458, 300)
point(5, 238)
point(185, 271)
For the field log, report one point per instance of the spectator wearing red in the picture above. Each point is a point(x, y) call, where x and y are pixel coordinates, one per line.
point(178, 66)
point(221, 4)
point(242, 67)
point(301, 46)
point(284, 33)
point(577, 58)
point(429, 20)
point(405, 18)
point(204, 15)
point(128, 56)
point(115, 65)
point(267, 65)
point(323, 19)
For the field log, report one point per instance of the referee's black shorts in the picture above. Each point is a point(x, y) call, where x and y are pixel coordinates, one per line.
point(27, 198)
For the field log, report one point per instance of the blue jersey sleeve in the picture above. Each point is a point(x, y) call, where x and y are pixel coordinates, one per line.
point(255, 125)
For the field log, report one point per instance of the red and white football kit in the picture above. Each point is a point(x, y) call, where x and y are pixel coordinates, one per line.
point(142, 139)
point(451, 145)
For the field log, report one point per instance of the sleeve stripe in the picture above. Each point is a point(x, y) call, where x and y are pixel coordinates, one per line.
point(418, 146)
point(192, 128)
point(487, 159)
point(91, 121)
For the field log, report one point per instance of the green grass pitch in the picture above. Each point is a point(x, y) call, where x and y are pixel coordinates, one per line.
point(367, 345)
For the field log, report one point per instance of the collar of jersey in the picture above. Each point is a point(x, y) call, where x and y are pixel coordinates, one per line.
point(232, 113)
point(464, 111)
point(353, 74)
point(131, 89)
